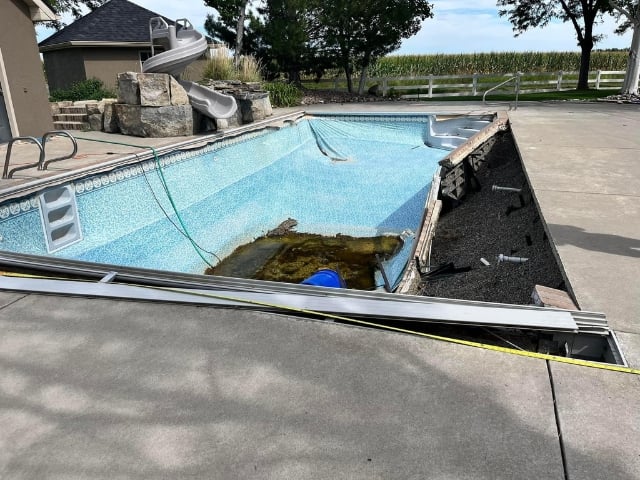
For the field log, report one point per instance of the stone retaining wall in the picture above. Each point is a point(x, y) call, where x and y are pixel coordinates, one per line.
point(156, 105)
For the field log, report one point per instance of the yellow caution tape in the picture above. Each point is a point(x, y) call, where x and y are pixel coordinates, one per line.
point(468, 343)
point(512, 351)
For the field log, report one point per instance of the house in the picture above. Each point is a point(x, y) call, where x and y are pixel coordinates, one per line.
point(24, 102)
point(113, 38)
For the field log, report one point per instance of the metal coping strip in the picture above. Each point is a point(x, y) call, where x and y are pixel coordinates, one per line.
point(584, 321)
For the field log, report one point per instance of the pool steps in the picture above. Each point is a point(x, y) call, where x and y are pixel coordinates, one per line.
point(59, 216)
point(450, 133)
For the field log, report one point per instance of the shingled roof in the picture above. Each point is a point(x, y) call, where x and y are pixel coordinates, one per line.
point(116, 21)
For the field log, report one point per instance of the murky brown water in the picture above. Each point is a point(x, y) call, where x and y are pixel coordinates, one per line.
point(295, 256)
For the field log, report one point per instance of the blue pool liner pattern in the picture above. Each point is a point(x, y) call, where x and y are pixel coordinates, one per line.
point(360, 176)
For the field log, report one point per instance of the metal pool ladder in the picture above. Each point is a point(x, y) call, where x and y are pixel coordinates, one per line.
point(41, 163)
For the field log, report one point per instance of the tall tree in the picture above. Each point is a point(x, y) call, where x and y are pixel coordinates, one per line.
point(583, 14)
point(631, 14)
point(358, 32)
point(286, 35)
point(230, 22)
point(74, 7)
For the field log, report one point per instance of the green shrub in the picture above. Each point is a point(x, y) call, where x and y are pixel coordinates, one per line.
point(282, 94)
point(90, 89)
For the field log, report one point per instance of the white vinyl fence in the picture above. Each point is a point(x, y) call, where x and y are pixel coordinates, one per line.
point(433, 86)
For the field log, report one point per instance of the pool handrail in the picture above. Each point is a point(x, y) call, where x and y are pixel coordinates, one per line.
point(42, 165)
point(8, 174)
point(515, 77)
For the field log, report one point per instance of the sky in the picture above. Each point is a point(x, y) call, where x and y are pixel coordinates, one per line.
point(454, 28)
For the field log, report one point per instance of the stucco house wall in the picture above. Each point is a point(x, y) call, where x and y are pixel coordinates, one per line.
point(107, 41)
point(21, 74)
point(107, 63)
point(64, 68)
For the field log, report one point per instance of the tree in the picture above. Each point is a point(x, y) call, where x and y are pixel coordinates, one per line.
point(631, 13)
point(74, 7)
point(583, 14)
point(232, 16)
point(286, 35)
point(358, 32)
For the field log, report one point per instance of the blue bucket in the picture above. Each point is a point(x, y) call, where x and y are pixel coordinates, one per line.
point(325, 277)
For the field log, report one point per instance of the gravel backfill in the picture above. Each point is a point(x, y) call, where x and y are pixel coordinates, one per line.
point(486, 224)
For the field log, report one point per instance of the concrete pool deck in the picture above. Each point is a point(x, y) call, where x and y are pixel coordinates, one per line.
point(94, 388)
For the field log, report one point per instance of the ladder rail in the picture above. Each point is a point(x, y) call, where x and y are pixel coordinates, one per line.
point(515, 77)
point(42, 165)
point(6, 173)
point(42, 144)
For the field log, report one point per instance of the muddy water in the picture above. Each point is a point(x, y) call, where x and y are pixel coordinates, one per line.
point(295, 256)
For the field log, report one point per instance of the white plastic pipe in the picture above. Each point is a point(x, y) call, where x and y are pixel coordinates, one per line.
point(505, 258)
point(497, 188)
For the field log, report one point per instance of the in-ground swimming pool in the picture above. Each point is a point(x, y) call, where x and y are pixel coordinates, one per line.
point(350, 175)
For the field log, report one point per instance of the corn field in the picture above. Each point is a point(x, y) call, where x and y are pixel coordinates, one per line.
point(488, 63)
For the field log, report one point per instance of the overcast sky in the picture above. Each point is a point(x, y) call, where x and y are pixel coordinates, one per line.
point(455, 28)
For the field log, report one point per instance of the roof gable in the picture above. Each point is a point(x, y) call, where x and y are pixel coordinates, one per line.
point(117, 21)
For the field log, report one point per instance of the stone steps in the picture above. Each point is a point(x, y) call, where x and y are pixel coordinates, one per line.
point(69, 125)
point(71, 118)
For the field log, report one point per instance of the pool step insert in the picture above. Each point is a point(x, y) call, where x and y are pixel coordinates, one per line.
point(450, 133)
point(59, 215)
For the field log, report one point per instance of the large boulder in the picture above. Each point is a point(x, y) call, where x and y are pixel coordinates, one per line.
point(128, 88)
point(154, 89)
point(170, 121)
point(95, 122)
point(178, 93)
point(110, 118)
point(255, 106)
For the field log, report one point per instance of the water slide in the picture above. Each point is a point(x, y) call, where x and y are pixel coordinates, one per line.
point(182, 48)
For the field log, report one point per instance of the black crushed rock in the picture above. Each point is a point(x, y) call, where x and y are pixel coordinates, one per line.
point(486, 224)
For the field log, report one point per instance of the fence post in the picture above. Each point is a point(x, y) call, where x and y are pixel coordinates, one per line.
point(430, 85)
point(598, 79)
point(335, 83)
point(559, 86)
point(474, 88)
point(385, 86)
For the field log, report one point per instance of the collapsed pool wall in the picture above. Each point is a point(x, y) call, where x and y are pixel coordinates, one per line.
point(454, 179)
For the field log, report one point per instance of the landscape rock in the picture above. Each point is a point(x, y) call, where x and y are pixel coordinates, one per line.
point(155, 122)
point(177, 92)
point(94, 108)
point(234, 121)
point(254, 106)
point(110, 119)
point(154, 89)
point(95, 122)
point(128, 88)
point(622, 98)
